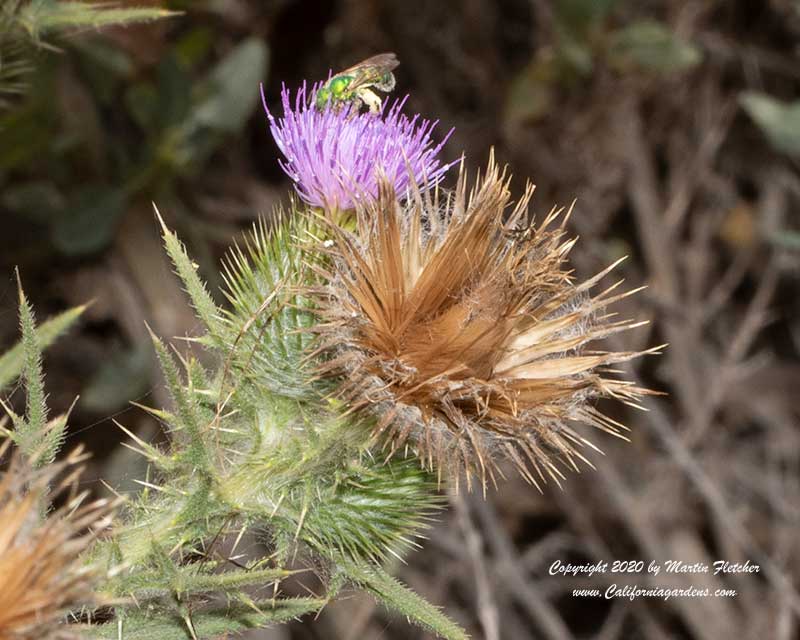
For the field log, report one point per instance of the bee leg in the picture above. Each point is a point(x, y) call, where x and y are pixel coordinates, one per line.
point(354, 105)
point(371, 100)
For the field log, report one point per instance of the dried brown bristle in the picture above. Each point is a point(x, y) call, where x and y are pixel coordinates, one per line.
point(457, 324)
point(41, 575)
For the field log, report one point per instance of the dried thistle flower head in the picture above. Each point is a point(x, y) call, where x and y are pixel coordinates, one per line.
point(458, 326)
point(41, 576)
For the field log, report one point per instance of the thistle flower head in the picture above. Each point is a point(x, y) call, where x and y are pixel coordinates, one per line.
point(465, 335)
point(41, 576)
point(335, 157)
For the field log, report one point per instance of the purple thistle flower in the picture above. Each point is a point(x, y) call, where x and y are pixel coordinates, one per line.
point(335, 156)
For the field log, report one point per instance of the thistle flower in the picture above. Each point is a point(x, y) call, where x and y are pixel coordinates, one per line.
point(41, 576)
point(335, 156)
point(465, 336)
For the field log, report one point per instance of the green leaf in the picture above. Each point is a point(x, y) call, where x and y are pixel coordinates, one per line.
point(201, 299)
point(146, 586)
point(12, 361)
point(32, 432)
point(28, 130)
point(194, 46)
point(41, 17)
point(530, 94)
point(780, 121)
point(575, 57)
point(106, 57)
point(38, 440)
point(191, 418)
point(174, 93)
point(88, 225)
point(397, 597)
point(207, 624)
point(578, 16)
point(104, 66)
point(38, 200)
point(787, 239)
point(141, 101)
point(652, 46)
point(231, 89)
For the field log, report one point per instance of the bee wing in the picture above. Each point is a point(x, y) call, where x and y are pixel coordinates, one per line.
point(370, 71)
point(381, 63)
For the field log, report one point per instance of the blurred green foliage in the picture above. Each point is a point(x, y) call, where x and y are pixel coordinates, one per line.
point(24, 24)
point(651, 46)
point(788, 240)
point(780, 121)
point(125, 374)
point(61, 168)
point(585, 35)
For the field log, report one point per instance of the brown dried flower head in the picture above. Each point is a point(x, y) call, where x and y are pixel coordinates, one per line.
point(41, 575)
point(456, 323)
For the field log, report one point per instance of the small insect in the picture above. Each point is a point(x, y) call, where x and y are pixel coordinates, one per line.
point(355, 85)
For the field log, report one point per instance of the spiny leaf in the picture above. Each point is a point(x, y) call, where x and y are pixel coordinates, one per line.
point(150, 585)
point(208, 624)
point(187, 271)
point(397, 597)
point(187, 416)
point(42, 17)
point(12, 361)
point(37, 439)
point(35, 408)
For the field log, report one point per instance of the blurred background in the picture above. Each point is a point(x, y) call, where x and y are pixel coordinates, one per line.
point(670, 122)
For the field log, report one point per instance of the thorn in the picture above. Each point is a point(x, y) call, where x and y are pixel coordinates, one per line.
point(112, 489)
point(164, 228)
point(301, 521)
point(188, 620)
point(238, 539)
point(150, 485)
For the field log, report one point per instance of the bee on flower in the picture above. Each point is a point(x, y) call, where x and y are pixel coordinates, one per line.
point(355, 85)
point(335, 156)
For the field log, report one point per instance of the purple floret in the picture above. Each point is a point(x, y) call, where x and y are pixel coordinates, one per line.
point(335, 156)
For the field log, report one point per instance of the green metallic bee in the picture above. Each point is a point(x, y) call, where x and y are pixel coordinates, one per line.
point(355, 85)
